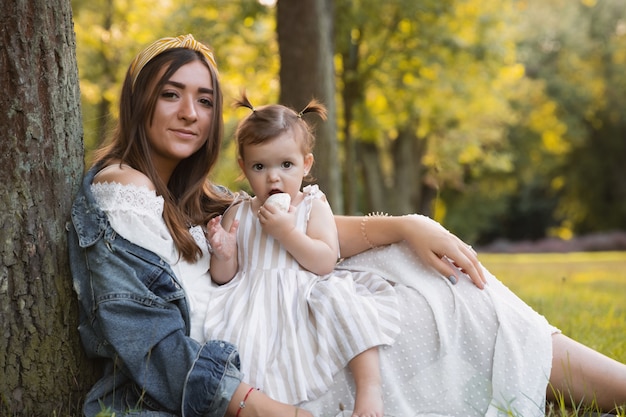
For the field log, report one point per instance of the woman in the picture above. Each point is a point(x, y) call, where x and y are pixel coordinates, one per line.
point(139, 263)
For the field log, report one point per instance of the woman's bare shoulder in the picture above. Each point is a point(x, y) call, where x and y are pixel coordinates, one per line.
point(123, 174)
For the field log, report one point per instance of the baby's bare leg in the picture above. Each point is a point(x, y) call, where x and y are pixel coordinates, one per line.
point(365, 368)
point(583, 375)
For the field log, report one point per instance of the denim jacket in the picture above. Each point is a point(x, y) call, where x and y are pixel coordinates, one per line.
point(134, 315)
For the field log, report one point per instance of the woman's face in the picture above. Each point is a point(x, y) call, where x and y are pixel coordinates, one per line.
point(182, 116)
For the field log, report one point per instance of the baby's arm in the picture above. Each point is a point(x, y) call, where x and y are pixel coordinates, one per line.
point(224, 247)
point(317, 249)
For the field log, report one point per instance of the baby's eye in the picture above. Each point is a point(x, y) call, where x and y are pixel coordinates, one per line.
point(257, 167)
point(287, 164)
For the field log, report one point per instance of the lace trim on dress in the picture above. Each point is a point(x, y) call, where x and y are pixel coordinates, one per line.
point(199, 236)
point(136, 214)
point(129, 197)
point(312, 191)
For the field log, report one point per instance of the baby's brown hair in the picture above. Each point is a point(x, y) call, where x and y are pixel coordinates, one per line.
point(270, 121)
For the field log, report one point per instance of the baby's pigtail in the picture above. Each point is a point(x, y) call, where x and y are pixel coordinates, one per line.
point(243, 101)
point(316, 107)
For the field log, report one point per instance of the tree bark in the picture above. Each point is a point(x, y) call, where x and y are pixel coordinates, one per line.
point(376, 196)
point(305, 41)
point(408, 151)
point(352, 95)
point(41, 163)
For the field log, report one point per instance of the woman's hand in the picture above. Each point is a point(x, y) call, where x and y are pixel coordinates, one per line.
point(442, 250)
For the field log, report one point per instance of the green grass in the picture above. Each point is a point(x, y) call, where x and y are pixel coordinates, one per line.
point(580, 293)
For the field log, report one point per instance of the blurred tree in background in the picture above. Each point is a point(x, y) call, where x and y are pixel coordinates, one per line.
point(425, 95)
point(305, 40)
point(568, 141)
point(498, 118)
point(580, 55)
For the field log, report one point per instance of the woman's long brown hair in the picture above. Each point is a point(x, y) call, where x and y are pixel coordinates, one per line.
point(190, 198)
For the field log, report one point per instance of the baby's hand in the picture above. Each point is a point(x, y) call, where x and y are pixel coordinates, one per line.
point(276, 221)
point(223, 243)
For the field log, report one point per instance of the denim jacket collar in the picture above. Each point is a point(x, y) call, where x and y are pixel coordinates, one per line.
point(89, 220)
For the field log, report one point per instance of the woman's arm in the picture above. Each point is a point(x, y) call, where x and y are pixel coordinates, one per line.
point(428, 239)
point(133, 315)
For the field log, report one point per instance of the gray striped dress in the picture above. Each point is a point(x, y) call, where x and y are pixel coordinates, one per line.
point(295, 330)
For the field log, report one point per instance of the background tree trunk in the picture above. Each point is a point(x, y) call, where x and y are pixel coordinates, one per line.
point(307, 71)
point(408, 151)
point(352, 95)
point(377, 194)
point(41, 162)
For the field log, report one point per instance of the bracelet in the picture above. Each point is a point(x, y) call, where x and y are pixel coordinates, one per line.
point(363, 223)
point(242, 403)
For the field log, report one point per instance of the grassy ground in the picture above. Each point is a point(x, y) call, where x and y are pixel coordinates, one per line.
point(583, 294)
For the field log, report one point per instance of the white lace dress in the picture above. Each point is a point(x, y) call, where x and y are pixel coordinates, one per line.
point(461, 351)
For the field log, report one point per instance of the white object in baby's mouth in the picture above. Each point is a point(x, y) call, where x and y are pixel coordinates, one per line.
point(280, 200)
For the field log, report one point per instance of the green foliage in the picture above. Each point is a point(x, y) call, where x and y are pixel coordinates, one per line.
point(577, 49)
point(503, 113)
point(439, 69)
point(448, 71)
point(509, 99)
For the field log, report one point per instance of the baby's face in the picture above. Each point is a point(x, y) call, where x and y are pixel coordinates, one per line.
point(276, 166)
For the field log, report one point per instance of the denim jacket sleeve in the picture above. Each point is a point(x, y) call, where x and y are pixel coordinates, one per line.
point(134, 314)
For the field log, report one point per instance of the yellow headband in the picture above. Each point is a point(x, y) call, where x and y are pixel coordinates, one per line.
point(162, 45)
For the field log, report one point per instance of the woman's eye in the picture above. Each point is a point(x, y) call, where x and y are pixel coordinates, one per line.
point(169, 94)
point(206, 102)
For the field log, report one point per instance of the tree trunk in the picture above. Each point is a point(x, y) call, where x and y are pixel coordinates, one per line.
point(41, 163)
point(352, 95)
point(307, 71)
point(376, 194)
point(408, 151)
